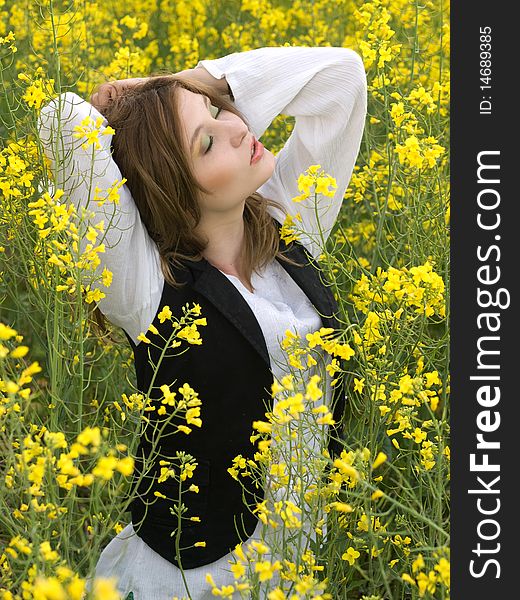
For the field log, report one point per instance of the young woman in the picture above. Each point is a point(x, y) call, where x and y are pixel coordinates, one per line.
point(198, 223)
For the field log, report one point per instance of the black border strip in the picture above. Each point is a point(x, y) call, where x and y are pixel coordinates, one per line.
point(484, 135)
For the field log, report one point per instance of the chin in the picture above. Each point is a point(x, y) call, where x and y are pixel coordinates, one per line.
point(269, 159)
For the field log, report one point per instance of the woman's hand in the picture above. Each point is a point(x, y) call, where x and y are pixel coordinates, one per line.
point(108, 91)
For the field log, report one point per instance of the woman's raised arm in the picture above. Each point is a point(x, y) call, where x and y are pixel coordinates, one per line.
point(324, 88)
point(88, 174)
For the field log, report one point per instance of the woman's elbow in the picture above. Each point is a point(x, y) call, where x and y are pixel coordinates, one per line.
point(352, 83)
point(355, 72)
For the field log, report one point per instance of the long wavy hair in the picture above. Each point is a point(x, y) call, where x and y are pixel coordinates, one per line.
point(149, 150)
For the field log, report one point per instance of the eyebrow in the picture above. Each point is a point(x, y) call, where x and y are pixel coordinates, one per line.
point(196, 132)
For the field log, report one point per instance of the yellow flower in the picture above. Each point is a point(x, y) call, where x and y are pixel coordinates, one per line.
point(49, 588)
point(333, 367)
point(343, 351)
point(105, 588)
point(326, 419)
point(47, 552)
point(322, 186)
point(432, 379)
point(359, 384)
point(266, 570)
point(94, 296)
point(350, 555)
point(346, 469)
point(130, 22)
point(90, 436)
point(19, 352)
point(313, 392)
point(443, 568)
point(418, 435)
point(190, 334)
point(262, 426)
point(380, 459)
point(10, 37)
point(341, 507)
point(399, 540)
point(106, 277)
point(287, 382)
point(313, 169)
point(6, 332)
point(165, 313)
point(187, 472)
point(259, 547)
point(418, 563)
point(287, 233)
point(305, 183)
point(35, 94)
point(426, 583)
point(278, 470)
point(300, 198)
point(126, 466)
point(238, 570)
point(105, 467)
point(192, 416)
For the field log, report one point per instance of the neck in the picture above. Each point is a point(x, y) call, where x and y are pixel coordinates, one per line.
point(225, 236)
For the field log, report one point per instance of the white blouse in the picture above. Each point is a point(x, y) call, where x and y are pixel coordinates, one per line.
point(324, 88)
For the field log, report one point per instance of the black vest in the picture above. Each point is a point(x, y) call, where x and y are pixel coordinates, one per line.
point(231, 373)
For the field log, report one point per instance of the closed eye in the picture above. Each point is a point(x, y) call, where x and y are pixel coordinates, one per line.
point(219, 110)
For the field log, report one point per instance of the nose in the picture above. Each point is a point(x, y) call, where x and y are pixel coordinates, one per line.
point(238, 131)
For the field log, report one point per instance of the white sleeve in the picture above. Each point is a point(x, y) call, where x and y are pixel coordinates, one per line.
point(324, 88)
point(130, 254)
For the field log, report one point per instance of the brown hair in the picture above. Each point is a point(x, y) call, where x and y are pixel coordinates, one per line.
point(149, 151)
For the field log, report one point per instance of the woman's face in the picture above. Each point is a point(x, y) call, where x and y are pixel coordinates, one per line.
point(219, 144)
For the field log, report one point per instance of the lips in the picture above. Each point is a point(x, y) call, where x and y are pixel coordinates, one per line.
point(257, 149)
point(253, 148)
